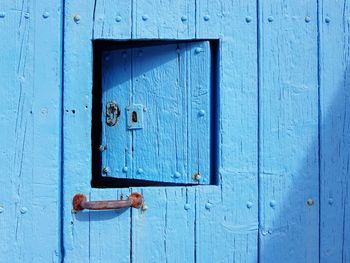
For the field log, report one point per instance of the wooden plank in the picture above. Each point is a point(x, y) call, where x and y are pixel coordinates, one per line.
point(227, 215)
point(173, 82)
point(112, 19)
point(163, 19)
point(81, 230)
point(109, 230)
point(334, 134)
point(165, 231)
point(199, 79)
point(289, 167)
point(117, 87)
point(30, 120)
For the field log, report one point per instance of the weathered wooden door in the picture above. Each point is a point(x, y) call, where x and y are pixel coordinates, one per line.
point(145, 87)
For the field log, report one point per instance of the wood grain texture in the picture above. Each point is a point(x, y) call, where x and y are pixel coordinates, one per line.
point(294, 101)
point(238, 136)
point(29, 121)
point(334, 133)
point(227, 215)
point(289, 167)
point(171, 82)
point(164, 231)
point(30, 90)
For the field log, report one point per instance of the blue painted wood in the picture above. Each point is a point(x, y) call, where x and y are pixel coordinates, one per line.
point(171, 83)
point(334, 131)
point(238, 137)
point(303, 119)
point(223, 223)
point(288, 140)
point(30, 63)
point(164, 231)
point(227, 215)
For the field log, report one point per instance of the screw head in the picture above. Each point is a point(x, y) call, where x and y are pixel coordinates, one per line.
point(102, 148)
point(118, 19)
point(196, 176)
point(310, 202)
point(77, 19)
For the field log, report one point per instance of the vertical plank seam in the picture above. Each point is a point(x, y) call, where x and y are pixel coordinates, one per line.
point(195, 226)
point(93, 21)
point(132, 19)
point(258, 120)
point(61, 173)
point(319, 127)
point(131, 225)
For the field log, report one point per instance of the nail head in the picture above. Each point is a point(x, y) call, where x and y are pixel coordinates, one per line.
point(272, 203)
point(310, 202)
point(208, 205)
point(46, 14)
point(198, 50)
point(118, 19)
point(201, 113)
point(77, 19)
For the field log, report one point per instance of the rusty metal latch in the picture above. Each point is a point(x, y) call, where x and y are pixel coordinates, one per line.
point(112, 113)
point(80, 203)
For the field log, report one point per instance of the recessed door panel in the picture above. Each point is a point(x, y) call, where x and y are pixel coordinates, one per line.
point(156, 113)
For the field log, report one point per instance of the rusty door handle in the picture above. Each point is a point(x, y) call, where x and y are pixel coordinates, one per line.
point(80, 203)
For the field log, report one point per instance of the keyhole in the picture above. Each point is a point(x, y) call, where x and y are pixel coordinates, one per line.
point(134, 116)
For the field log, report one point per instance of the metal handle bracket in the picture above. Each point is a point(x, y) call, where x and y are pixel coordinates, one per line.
point(80, 203)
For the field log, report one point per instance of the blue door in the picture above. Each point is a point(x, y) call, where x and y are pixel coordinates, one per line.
point(156, 113)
